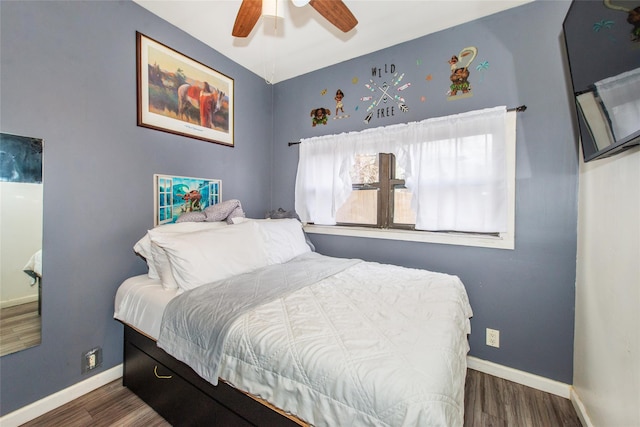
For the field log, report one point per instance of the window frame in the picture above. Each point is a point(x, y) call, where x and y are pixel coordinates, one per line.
point(385, 187)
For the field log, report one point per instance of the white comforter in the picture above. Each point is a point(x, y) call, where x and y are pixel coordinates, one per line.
point(373, 345)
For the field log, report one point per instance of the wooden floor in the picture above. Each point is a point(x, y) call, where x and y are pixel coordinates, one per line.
point(489, 401)
point(492, 401)
point(19, 327)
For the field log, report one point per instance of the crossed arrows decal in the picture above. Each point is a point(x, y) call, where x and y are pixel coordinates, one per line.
point(385, 95)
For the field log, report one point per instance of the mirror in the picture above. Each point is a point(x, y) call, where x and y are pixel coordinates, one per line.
point(20, 242)
point(603, 47)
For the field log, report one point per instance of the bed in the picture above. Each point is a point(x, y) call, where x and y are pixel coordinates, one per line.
point(244, 324)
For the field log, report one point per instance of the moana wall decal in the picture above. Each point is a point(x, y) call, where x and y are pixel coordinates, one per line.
point(319, 116)
point(340, 105)
point(459, 77)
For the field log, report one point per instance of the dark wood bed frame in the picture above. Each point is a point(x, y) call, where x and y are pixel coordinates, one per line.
point(183, 398)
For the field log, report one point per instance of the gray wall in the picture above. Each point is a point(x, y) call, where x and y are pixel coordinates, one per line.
point(68, 75)
point(528, 293)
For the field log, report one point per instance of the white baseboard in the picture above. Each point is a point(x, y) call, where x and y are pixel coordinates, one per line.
point(530, 380)
point(53, 401)
point(18, 301)
point(581, 410)
point(58, 399)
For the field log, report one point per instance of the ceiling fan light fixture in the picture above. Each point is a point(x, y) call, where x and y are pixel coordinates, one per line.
point(334, 11)
point(300, 3)
point(273, 8)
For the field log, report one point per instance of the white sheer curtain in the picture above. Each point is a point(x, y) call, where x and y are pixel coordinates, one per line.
point(323, 182)
point(455, 167)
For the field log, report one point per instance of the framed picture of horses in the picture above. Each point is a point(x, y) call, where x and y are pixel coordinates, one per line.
point(180, 95)
point(179, 195)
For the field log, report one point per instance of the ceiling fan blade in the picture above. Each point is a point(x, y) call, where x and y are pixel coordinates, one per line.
point(336, 12)
point(248, 14)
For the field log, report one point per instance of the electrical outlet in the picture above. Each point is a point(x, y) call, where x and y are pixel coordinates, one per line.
point(91, 359)
point(493, 337)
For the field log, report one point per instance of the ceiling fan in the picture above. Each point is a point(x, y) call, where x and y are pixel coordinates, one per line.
point(335, 11)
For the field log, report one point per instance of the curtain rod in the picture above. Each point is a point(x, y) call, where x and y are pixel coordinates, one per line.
point(519, 109)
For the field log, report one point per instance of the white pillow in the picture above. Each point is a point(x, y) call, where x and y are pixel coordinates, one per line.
point(162, 267)
point(143, 246)
point(205, 256)
point(283, 238)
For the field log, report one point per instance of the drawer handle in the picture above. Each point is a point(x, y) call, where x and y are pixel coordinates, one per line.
point(162, 377)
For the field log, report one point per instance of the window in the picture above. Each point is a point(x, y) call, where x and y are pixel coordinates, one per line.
point(379, 197)
point(165, 200)
point(447, 175)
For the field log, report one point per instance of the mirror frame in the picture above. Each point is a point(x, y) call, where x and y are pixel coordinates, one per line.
point(598, 46)
point(21, 164)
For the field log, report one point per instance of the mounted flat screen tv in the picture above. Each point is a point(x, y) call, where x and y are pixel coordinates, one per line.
point(603, 48)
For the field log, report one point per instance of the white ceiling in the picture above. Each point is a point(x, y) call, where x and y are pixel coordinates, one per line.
point(303, 41)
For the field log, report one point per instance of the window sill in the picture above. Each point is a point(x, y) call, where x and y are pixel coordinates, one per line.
point(504, 241)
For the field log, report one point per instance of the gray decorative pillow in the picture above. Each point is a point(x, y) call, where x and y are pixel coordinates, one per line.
point(222, 210)
point(192, 217)
point(237, 213)
point(281, 213)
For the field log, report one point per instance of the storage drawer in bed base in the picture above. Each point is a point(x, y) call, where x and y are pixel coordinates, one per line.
point(182, 397)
